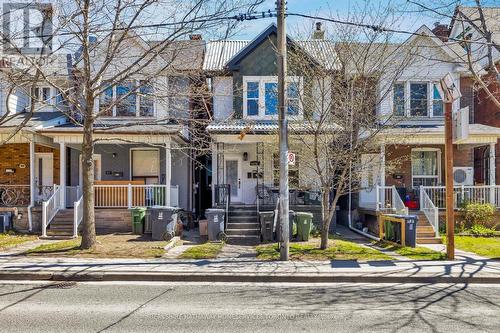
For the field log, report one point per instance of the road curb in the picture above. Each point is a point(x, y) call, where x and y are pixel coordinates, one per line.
point(244, 277)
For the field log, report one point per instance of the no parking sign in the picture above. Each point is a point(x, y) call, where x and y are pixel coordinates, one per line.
point(291, 158)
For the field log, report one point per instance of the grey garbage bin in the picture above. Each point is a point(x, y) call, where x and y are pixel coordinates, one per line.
point(266, 220)
point(291, 224)
point(215, 219)
point(411, 222)
point(163, 220)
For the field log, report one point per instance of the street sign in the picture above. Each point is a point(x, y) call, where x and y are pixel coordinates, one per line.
point(291, 158)
point(461, 125)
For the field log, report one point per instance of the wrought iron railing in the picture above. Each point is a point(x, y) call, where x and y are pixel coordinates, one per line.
point(14, 195)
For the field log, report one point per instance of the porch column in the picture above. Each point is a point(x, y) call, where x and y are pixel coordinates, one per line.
point(382, 164)
point(32, 184)
point(62, 173)
point(492, 175)
point(168, 172)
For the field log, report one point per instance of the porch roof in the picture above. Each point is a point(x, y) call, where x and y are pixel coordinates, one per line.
point(434, 134)
point(237, 126)
point(38, 120)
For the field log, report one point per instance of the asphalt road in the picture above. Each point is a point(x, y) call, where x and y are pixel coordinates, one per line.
point(196, 307)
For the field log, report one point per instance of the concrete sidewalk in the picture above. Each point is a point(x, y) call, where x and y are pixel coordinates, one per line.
point(462, 270)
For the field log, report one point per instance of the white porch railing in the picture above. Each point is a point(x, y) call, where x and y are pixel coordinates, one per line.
point(73, 193)
point(388, 199)
point(462, 194)
point(430, 210)
point(127, 196)
point(77, 215)
point(50, 209)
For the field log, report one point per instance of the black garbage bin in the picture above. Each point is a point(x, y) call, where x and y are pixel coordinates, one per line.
point(215, 219)
point(163, 220)
point(266, 220)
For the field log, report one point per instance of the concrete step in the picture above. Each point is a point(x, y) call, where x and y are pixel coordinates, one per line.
point(242, 225)
point(428, 240)
point(244, 240)
point(242, 232)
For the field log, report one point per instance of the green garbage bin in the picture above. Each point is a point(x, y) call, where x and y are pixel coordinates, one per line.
point(304, 225)
point(138, 214)
point(389, 231)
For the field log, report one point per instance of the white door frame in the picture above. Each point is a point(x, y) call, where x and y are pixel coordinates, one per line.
point(238, 158)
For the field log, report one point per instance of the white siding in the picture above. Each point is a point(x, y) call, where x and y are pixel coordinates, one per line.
point(223, 97)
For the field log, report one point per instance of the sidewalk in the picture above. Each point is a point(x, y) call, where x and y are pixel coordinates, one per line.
point(462, 270)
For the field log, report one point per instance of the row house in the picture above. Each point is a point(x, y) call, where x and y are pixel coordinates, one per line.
point(141, 155)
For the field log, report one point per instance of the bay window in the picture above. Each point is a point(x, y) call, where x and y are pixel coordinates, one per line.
point(127, 99)
point(260, 96)
point(425, 166)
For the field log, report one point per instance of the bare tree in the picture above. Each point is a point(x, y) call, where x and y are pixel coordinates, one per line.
point(97, 35)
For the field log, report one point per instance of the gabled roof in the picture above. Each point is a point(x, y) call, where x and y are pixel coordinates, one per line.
point(471, 14)
point(221, 55)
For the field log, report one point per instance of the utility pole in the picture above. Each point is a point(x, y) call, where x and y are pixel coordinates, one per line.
point(448, 155)
point(283, 131)
point(450, 93)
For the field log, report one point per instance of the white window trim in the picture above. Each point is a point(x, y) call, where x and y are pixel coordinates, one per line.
point(407, 111)
point(262, 106)
point(137, 104)
point(438, 150)
point(131, 150)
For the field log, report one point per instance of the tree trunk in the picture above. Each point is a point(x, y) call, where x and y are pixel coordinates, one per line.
point(88, 232)
point(325, 225)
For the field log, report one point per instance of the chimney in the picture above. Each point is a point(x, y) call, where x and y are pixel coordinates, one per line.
point(441, 31)
point(318, 33)
point(195, 37)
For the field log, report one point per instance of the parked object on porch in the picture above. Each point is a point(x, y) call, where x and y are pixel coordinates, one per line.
point(292, 227)
point(203, 227)
point(411, 202)
point(266, 220)
point(304, 225)
point(5, 222)
point(163, 222)
point(215, 219)
point(399, 228)
point(138, 216)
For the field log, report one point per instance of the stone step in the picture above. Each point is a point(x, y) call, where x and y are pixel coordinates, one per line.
point(242, 232)
point(428, 240)
point(242, 225)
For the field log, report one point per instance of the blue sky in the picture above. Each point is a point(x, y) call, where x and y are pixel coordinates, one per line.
point(407, 17)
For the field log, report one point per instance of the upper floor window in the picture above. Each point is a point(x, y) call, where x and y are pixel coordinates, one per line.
point(47, 96)
point(260, 96)
point(417, 99)
point(127, 99)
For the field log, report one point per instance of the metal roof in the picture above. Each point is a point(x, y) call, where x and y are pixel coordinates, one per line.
point(258, 126)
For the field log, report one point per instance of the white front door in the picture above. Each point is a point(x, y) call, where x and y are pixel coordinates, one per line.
point(370, 178)
point(233, 177)
point(44, 175)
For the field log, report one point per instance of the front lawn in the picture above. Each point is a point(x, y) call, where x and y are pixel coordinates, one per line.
point(338, 249)
point(108, 246)
point(417, 253)
point(488, 247)
point(203, 251)
point(11, 239)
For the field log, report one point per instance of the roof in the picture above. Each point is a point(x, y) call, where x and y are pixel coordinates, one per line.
point(491, 16)
point(184, 55)
point(37, 120)
point(222, 54)
point(237, 126)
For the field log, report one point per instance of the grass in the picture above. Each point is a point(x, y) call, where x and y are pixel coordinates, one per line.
point(417, 253)
point(338, 249)
point(203, 251)
point(108, 246)
point(488, 247)
point(11, 239)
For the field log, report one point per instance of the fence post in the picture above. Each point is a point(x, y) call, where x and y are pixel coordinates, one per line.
point(129, 195)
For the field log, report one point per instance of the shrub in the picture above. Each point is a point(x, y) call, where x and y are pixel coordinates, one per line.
point(480, 230)
point(479, 214)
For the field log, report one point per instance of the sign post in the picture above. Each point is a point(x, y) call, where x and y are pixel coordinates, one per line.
point(450, 93)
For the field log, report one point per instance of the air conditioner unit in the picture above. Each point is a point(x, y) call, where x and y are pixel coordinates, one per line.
point(463, 175)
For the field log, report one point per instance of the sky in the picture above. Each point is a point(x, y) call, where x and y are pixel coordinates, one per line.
point(406, 16)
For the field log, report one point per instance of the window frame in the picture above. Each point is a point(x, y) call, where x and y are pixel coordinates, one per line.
point(438, 165)
point(137, 85)
point(262, 80)
point(407, 104)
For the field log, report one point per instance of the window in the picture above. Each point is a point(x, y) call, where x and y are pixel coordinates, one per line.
point(399, 99)
point(418, 99)
point(437, 102)
point(261, 96)
point(293, 172)
point(132, 98)
point(41, 94)
point(425, 167)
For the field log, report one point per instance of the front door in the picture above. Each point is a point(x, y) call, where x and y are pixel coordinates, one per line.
point(233, 178)
point(44, 175)
point(370, 178)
